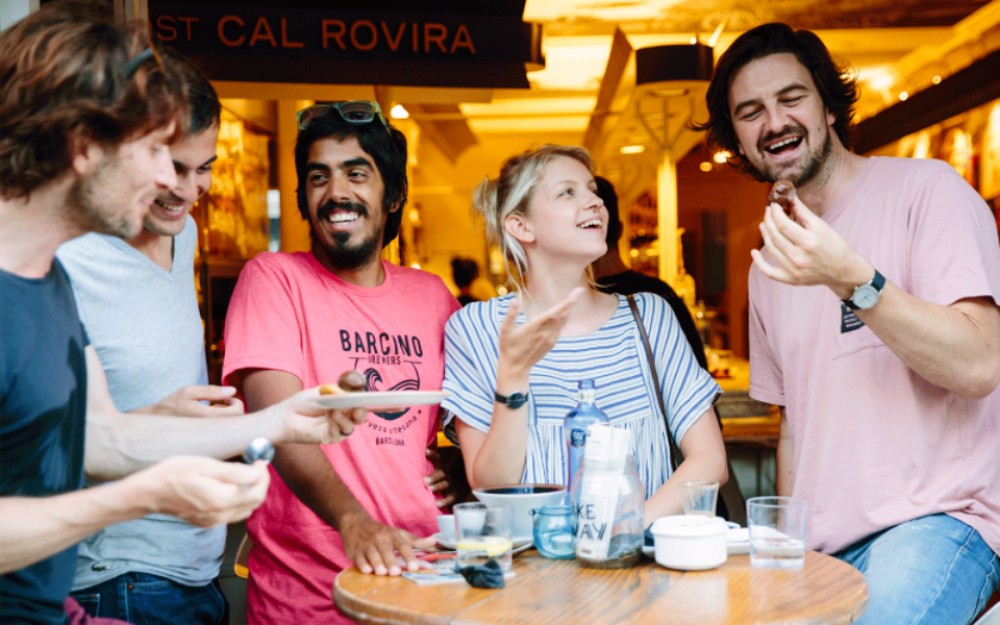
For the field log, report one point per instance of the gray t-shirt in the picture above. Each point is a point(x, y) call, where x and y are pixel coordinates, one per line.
point(146, 327)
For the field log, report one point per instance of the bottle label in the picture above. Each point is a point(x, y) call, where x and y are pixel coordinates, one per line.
point(578, 437)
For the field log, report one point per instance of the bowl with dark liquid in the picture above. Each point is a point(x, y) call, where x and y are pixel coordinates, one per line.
point(521, 499)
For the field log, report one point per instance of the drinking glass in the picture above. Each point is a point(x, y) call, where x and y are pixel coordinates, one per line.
point(700, 497)
point(482, 534)
point(777, 532)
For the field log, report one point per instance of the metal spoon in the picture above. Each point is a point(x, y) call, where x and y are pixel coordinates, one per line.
point(258, 449)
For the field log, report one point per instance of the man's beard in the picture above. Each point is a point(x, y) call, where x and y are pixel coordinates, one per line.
point(89, 211)
point(341, 254)
point(811, 166)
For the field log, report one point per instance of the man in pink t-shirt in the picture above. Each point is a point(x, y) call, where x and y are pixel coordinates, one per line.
point(875, 325)
point(300, 319)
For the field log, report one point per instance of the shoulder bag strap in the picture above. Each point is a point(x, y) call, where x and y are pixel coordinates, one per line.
point(675, 452)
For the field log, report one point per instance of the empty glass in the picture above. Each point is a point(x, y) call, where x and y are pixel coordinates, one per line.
point(700, 497)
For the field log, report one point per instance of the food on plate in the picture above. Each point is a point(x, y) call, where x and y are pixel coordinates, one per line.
point(348, 381)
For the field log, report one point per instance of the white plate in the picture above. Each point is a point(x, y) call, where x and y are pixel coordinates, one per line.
point(523, 541)
point(380, 401)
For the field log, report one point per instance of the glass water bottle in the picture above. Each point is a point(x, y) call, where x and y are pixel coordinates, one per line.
point(575, 424)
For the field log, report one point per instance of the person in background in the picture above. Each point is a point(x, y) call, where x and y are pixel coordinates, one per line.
point(614, 277)
point(87, 113)
point(464, 272)
point(512, 363)
point(298, 319)
point(148, 334)
point(875, 325)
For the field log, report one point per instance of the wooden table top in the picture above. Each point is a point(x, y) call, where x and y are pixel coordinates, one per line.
point(543, 592)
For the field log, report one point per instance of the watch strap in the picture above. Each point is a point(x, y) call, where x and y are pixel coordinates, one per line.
point(513, 401)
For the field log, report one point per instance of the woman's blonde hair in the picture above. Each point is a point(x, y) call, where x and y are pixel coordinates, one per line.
point(508, 194)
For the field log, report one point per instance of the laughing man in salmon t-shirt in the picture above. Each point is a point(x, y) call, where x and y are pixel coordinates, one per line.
point(875, 325)
point(300, 319)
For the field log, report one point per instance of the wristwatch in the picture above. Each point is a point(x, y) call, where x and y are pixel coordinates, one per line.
point(866, 295)
point(513, 401)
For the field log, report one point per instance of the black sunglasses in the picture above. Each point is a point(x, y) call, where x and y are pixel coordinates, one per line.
point(354, 112)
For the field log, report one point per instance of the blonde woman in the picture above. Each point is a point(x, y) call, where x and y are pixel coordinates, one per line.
point(512, 363)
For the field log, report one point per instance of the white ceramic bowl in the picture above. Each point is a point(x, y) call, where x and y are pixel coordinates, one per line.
point(690, 542)
point(521, 499)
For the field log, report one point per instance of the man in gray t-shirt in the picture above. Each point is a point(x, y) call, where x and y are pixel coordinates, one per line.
point(148, 333)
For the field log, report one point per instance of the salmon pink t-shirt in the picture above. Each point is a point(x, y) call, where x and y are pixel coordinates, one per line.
point(875, 444)
point(289, 313)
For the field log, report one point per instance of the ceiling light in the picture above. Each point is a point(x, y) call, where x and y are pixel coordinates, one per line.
point(705, 166)
point(722, 156)
point(903, 95)
point(632, 149)
point(936, 80)
point(399, 111)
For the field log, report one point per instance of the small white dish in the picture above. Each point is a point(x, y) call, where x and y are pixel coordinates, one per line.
point(737, 541)
point(689, 542)
point(380, 401)
point(447, 542)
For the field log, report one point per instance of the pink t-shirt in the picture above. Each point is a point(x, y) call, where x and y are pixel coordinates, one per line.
point(874, 443)
point(289, 313)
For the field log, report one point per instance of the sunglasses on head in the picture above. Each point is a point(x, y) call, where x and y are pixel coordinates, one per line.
point(354, 112)
point(132, 65)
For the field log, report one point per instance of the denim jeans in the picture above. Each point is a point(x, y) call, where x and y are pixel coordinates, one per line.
point(144, 599)
point(934, 570)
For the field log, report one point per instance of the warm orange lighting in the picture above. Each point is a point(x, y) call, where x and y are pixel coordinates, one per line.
point(399, 111)
point(903, 95)
point(632, 149)
point(721, 157)
point(705, 166)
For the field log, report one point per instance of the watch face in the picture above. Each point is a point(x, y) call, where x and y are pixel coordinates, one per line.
point(865, 296)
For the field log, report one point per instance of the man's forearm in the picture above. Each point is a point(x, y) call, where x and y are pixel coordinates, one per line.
point(955, 347)
point(34, 528)
point(308, 473)
point(119, 445)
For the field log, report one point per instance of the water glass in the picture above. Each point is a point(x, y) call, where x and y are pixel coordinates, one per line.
point(700, 497)
point(554, 531)
point(482, 533)
point(777, 532)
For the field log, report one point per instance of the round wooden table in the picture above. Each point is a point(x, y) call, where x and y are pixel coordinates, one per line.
point(543, 592)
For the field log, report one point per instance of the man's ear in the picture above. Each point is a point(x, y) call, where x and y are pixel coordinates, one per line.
point(85, 154)
point(519, 228)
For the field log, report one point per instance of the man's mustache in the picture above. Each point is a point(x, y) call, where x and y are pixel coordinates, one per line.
point(330, 206)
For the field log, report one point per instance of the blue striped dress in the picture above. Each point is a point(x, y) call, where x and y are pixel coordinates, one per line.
point(613, 356)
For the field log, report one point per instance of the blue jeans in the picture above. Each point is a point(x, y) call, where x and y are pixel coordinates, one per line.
point(934, 570)
point(144, 599)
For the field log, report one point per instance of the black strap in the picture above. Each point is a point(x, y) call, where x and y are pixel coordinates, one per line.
point(675, 452)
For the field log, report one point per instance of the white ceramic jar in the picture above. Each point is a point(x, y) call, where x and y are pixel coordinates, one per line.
point(690, 542)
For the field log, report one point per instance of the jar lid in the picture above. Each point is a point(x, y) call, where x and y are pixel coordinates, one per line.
point(688, 525)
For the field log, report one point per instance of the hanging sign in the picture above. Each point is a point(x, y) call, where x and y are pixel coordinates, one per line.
point(328, 45)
